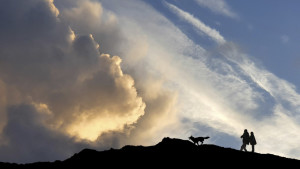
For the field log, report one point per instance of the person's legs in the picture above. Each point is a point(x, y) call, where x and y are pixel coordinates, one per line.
point(253, 148)
point(243, 147)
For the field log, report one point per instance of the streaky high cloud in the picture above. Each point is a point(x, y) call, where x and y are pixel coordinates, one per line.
point(212, 33)
point(282, 115)
point(218, 7)
point(260, 94)
point(216, 94)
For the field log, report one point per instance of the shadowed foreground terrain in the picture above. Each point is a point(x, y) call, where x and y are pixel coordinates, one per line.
point(170, 152)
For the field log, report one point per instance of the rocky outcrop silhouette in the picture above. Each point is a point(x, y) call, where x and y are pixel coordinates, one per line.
point(170, 152)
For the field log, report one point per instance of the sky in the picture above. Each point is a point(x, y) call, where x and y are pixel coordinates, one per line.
point(78, 74)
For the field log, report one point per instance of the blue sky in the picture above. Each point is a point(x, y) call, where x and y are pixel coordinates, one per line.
point(268, 31)
point(107, 73)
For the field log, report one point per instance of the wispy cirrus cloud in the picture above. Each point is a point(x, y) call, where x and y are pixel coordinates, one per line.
point(218, 7)
point(198, 24)
point(259, 100)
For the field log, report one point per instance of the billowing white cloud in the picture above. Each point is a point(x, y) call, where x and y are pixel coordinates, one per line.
point(218, 7)
point(132, 44)
point(46, 65)
point(89, 17)
point(212, 33)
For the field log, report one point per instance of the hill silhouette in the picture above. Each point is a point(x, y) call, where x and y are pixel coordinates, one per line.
point(170, 152)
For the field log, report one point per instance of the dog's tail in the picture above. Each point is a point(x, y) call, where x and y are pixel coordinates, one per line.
point(206, 137)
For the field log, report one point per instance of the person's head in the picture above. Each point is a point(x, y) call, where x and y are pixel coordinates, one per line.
point(245, 131)
point(252, 133)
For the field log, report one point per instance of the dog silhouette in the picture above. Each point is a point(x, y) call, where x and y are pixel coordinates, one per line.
point(196, 140)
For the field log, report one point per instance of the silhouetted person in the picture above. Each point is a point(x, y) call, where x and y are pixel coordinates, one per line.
point(245, 138)
point(252, 141)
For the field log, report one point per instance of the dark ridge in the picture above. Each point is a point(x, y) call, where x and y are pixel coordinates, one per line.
point(170, 152)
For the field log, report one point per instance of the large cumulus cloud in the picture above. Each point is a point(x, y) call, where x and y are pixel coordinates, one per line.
point(111, 22)
point(46, 67)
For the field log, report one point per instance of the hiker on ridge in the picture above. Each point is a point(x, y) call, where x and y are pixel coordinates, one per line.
point(245, 138)
point(252, 141)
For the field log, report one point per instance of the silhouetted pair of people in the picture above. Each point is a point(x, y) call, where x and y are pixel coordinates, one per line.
point(248, 139)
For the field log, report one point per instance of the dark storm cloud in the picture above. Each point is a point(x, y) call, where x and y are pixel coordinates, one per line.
point(27, 138)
